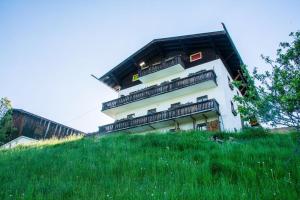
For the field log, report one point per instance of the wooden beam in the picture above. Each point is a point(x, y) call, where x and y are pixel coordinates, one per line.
point(237, 77)
point(48, 126)
point(94, 77)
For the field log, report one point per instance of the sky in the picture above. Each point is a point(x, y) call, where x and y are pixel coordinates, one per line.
point(50, 48)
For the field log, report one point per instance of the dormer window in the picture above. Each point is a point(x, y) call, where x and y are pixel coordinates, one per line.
point(142, 64)
point(196, 56)
point(130, 116)
point(151, 111)
point(202, 98)
point(175, 79)
point(175, 105)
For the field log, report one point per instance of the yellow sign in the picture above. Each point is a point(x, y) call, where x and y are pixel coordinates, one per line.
point(135, 77)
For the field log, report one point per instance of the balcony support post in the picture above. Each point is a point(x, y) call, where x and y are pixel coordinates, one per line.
point(176, 125)
point(194, 122)
point(205, 117)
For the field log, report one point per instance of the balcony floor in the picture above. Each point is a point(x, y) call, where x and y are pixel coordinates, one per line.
point(162, 73)
point(160, 98)
point(169, 122)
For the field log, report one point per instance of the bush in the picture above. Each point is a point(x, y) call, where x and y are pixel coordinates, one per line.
point(249, 133)
point(6, 127)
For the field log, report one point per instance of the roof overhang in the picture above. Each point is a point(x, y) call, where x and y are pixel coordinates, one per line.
point(220, 41)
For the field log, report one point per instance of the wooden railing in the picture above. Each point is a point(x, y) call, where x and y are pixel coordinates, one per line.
point(161, 65)
point(148, 92)
point(180, 111)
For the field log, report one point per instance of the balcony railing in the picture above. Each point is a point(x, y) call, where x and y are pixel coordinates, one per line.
point(152, 91)
point(172, 113)
point(161, 65)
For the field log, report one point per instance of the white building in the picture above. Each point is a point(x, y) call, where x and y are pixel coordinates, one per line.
point(22, 140)
point(176, 83)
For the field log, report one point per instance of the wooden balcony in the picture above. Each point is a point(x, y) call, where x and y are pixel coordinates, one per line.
point(163, 88)
point(190, 110)
point(164, 64)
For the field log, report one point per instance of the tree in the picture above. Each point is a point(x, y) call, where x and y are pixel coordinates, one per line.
point(6, 120)
point(274, 97)
point(5, 105)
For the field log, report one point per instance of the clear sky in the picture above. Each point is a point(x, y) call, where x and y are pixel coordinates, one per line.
point(49, 48)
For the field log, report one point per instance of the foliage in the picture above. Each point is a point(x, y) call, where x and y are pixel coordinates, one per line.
point(186, 165)
point(274, 97)
point(5, 105)
point(6, 120)
point(248, 133)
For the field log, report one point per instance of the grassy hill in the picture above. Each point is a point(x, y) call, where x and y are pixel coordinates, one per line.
point(188, 165)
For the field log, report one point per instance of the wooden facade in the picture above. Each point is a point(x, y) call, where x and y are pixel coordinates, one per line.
point(37, 127)
point(212, 45)
point(127, 80)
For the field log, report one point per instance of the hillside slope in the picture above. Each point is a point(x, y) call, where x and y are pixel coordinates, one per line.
point(156, 166)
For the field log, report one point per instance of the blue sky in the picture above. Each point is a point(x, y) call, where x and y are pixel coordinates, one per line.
point(49, 48)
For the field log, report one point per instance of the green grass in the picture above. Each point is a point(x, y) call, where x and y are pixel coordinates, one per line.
point(184, 165)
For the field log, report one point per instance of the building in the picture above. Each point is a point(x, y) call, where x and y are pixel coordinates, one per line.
point(31, 127)
point(176, 83)
point(21, 140)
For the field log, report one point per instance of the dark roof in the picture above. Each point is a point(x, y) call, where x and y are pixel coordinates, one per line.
point(220, 41)
point(43, 118)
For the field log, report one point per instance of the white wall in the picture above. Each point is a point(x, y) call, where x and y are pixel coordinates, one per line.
point(222, 93)
point(22, 140)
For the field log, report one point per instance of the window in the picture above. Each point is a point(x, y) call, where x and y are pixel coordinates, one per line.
point(117, 88)
point(135, 77)
point(175, 105)
point(175, 79)
point(130, 116)
point(202, 98)
point(229, 83)
point(196, 56)
point(201, 127)
point(151, 111)
point(232, 109)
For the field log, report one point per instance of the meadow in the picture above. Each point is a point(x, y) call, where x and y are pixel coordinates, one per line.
point(253, 164)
